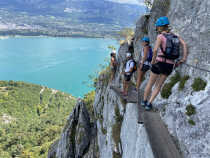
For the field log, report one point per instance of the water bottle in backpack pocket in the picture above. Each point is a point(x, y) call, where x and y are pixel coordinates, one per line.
point(172, 50)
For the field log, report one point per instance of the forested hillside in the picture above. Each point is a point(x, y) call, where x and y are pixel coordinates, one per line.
point(31, 118)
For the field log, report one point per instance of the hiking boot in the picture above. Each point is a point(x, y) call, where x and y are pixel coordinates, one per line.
point(148, 106)
point(144, 103)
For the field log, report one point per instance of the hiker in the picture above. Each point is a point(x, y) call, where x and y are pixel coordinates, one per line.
point(145, 63)
point(113, 64)
point(166, 52)
point(130, 68)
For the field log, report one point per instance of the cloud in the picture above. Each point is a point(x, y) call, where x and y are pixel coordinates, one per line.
point(137, 2)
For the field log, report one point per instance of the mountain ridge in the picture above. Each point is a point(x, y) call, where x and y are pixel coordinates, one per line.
point(67, 16)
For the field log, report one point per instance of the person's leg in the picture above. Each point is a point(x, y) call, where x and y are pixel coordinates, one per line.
point(126, 87)
point(112, 76)
point(158, 86)
point(139, 79)
point(152, 80)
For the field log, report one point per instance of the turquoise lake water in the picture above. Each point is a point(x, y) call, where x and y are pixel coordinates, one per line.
point(59, 63)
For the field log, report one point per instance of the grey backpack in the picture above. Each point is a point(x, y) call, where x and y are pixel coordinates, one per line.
point(172, 50)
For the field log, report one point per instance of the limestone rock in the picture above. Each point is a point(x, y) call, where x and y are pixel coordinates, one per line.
point(78, 136)
point(116, 132)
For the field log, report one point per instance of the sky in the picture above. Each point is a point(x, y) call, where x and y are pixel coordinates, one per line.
point(138, 2)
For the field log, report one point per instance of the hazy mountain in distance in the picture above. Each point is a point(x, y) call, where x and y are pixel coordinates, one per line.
point(89, 18)
point(99, 11)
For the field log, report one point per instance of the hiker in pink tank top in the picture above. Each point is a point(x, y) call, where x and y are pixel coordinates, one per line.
point(160, 53)
point(166, 51)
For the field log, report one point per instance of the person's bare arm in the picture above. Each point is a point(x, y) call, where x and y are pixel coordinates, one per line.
point(184, 45)
point(157, 45)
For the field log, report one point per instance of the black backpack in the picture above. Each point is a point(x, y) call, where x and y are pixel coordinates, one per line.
point(150, 55)
point(135, 66)
point(172, 47)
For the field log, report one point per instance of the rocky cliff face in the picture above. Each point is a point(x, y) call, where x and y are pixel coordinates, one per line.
point(116, 132)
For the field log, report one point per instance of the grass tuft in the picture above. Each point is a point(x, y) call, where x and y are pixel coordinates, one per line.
point(191, 122)
point(199, 84)
point(183, 80)
point(166, 90)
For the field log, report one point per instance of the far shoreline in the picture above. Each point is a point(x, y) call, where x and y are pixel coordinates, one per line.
point(28, 36)
point(20, 35)
point(46, 36)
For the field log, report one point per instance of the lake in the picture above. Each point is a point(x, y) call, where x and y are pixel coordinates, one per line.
point(59, 63)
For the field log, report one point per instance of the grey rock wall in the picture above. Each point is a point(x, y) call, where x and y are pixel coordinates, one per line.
point(116, 132)
point(190, 19)
point(118, 138)
point(133, 135)
point(78, 139)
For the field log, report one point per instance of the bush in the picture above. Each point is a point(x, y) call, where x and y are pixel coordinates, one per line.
point(106, 75)
point(166, 90)
point(89, 101)
point(183, 80)
point(104, 131)
point(126, 33)
point(103, 73)
point(199, 84)
point(190, 110)
point(116, 154)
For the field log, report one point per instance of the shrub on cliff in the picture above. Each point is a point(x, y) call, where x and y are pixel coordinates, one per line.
point(199, 84)
point(166, 90)
point(89, 101)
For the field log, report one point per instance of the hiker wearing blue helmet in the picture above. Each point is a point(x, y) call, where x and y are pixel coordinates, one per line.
point(166, 51)
point(145, 62)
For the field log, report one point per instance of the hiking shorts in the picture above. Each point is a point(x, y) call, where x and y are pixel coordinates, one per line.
point(145, 68)
point(113, 69)
point(162, 68)
point(127, 77)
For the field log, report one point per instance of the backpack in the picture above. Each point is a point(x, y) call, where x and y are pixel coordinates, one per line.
point(172, 47)
point(135, 66)
point(150, 55)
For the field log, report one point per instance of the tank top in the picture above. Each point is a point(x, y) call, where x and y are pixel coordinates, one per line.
point(142, 55)
point(160, 53)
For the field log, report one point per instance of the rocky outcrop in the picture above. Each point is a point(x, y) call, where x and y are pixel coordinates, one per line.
point(118, 134)
point(78, 139)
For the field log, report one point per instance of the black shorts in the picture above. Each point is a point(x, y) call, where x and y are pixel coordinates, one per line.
point(114, 68)
point(145, 68)
point(127, 77)
point(162, 68)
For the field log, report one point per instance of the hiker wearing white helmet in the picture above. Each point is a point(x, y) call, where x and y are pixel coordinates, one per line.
point(130, 68)
point(113, 64)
